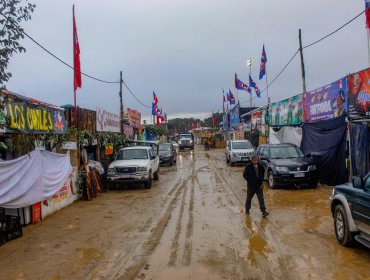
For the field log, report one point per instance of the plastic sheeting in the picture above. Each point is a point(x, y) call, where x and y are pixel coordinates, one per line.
point(326, 142)
point(360, 149)
point(32, 178)
point(286, 134)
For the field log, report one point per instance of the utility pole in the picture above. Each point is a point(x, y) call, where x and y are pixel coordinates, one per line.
point(121, 101)
point(302, 62)
point(249, 63)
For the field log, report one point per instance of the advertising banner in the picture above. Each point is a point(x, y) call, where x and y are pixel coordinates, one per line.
point(326, 102)
point(128, 131)
point(33, 119)
point(264, 116)
point(107, 121)
point(234, 117)
point(256, 120)
point(134, 118)
point(358, 91)
point(225, 122)
point(286, 112)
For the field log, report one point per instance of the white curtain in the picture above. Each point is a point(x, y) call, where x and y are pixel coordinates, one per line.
point(32, 178)
point(286, 134)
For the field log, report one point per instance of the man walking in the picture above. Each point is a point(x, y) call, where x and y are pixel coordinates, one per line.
point(253, 174)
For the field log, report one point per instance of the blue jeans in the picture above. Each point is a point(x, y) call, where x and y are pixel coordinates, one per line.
point(251, 191)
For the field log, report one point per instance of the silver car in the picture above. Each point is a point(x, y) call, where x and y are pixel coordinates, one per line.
point(239, 151)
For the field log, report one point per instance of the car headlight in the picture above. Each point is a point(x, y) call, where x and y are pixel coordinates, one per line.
point(141, 168)
point(282, 169)
point(312, 167)
point(111, 171)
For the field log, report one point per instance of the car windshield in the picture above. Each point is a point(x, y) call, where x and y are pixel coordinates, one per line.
point(241, 145)
point(165, 147)
point(285, 152)
point(132, 154)
point(185, 136)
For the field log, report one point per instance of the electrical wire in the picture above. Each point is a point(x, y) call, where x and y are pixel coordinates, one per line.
point(129, 90)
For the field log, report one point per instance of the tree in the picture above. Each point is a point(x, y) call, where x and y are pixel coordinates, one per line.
point(12, 14)
point(157, 130)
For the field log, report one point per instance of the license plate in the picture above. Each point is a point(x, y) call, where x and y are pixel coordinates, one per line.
point(126, 176)
point(299, 175)
point(244, 159)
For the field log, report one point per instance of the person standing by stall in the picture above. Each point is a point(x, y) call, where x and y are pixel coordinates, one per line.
point(253, 174)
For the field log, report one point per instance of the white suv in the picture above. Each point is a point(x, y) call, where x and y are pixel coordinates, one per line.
point(239, 151)
point(134, 164)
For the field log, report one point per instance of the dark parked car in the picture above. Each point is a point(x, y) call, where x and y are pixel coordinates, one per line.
point(350, 206)
point(285, 164)
point(167, 153)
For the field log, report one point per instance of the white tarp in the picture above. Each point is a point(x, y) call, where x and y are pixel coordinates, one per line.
point(286, 134)
point(32, 178)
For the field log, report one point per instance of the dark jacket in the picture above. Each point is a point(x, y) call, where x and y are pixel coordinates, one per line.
point(250, 176)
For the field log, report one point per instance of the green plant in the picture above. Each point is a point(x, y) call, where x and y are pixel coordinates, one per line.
point(156, 130)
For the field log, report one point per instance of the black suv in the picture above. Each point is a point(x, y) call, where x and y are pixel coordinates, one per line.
point(285, 164)
point(167, 153)
point(350, 206)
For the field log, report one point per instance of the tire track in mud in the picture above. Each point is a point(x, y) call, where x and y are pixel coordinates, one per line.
point(186, 260)
point(280, 272)
point(129, 251)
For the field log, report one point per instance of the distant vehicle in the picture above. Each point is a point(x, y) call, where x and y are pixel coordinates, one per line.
point(167, 153)
point(186, 140)
point(350, 206)
point(285, 164)
point(175, 145)
point(134, 164)
point(239, 151)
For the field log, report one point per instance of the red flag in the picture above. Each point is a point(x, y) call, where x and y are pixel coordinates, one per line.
point(76, 55)
point(213, 120)
point(367, 13)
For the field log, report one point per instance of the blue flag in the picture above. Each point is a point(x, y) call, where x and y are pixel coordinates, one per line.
point(263, 63)
point(253, 85)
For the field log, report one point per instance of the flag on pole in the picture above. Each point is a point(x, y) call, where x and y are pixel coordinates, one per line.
point(253, 85)
point(263, 62)
point(155, 98)
point(367, 13)
point(76, 55)
point(231, 98)
point(240, 85)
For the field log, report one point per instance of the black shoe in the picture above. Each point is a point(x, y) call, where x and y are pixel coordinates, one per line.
point(265, 213)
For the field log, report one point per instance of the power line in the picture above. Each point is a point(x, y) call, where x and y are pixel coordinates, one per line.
point(129, 90)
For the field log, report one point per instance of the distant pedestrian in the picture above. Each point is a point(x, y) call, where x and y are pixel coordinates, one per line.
point(253, 174)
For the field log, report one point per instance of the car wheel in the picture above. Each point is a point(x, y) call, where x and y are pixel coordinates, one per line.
point(111, 185)
point(156, 174)
point(171, 161)
point(227, 160)
point(341, 228)
point(231, 163)
point(148, 184)
point(271, 180)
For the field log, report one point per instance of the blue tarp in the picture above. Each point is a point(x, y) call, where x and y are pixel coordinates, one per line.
point(326, 142)
point(360, 149)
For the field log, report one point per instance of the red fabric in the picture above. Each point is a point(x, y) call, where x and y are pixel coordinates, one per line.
point(367, 14)
point(76, 55)
point(214, 120)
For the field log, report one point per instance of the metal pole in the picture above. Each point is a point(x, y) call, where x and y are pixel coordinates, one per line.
point(250, 102)
point(267, 90)
point(302, 62)
point(121, 101)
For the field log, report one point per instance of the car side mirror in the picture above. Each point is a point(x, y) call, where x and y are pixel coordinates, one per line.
point(357, 182)
point(263, 158)
point(308, 155)
point(152, 157)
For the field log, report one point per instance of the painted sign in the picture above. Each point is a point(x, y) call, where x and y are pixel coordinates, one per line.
point(326, 102)
point(358, 91)
point(128, 131)
point(286, 112)
point(256, 120)
point(69, 145)
point(66, 196)
point(33, 119)
point(109, 149)
point(134, 118)
point(234, 117)
point(264, 115)
point(107, 121)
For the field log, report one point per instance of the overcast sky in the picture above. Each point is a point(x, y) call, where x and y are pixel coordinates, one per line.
point(186, 51)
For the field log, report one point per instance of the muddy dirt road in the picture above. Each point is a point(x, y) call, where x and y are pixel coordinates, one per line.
point(190, 225)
